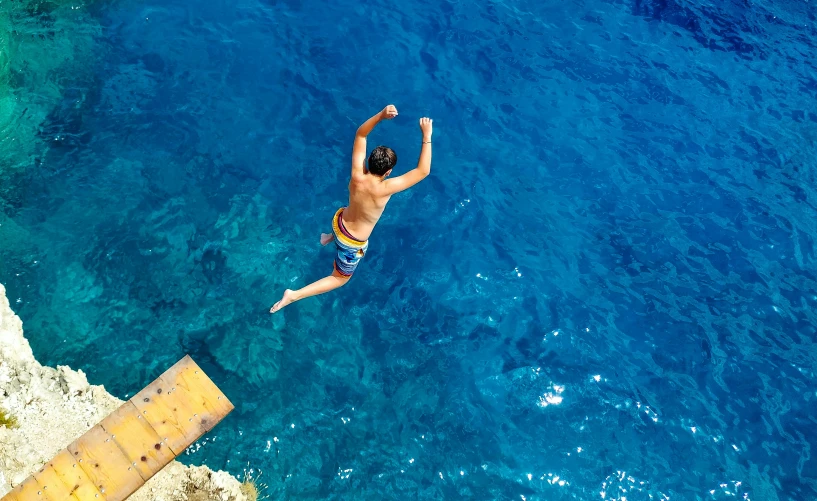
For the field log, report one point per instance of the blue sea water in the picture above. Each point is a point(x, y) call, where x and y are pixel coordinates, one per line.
point(605, 290)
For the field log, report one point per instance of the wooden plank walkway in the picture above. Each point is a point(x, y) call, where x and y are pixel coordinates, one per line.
point(118, 455)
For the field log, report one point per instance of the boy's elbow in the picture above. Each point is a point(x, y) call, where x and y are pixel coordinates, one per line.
point(364, 130)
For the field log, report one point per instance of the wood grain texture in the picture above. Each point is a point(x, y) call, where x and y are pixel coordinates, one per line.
point(106, 465)
point(137, 439)
point(74, 478)
point(182, 404)
point(52, 487)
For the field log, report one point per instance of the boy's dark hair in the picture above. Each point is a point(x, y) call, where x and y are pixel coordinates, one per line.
point(382, 160)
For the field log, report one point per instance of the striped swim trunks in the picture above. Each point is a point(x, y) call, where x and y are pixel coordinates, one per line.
point(350, 249)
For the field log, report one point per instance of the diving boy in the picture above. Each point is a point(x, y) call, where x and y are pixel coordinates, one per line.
point(369, 192)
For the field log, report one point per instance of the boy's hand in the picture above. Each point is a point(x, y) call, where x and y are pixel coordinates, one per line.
point(426, 125)
point(388, 112)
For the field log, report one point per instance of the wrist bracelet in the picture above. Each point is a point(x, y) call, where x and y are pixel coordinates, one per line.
point(426, 142)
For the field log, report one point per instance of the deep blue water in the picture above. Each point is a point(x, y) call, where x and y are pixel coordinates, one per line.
point(606, 288)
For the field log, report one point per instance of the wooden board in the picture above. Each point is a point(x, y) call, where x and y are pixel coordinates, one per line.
point(182, 404)
point(74, 478)
point(117, 456)
point(207, 401)
point(138, 441)
point(52, 487)
point(105, 464)
point(169, 414)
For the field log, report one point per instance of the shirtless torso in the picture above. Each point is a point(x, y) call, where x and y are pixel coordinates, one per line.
point(367, 201)
point(369, 191)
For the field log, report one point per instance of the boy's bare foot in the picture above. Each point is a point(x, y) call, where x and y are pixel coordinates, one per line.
point(286, 300)
point(326, 238)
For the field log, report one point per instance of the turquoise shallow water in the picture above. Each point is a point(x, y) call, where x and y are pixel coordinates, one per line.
point(606, 289)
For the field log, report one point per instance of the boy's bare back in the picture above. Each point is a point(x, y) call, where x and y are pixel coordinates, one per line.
point(369, 192)
point(367, 201)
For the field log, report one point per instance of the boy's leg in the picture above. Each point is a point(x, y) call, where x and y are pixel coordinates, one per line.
point(326, 284)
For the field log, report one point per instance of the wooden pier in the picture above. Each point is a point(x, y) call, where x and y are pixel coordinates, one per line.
point(118, 455)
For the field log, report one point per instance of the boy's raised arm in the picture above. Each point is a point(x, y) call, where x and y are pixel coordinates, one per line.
point(359, 150)
point(423, 168)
